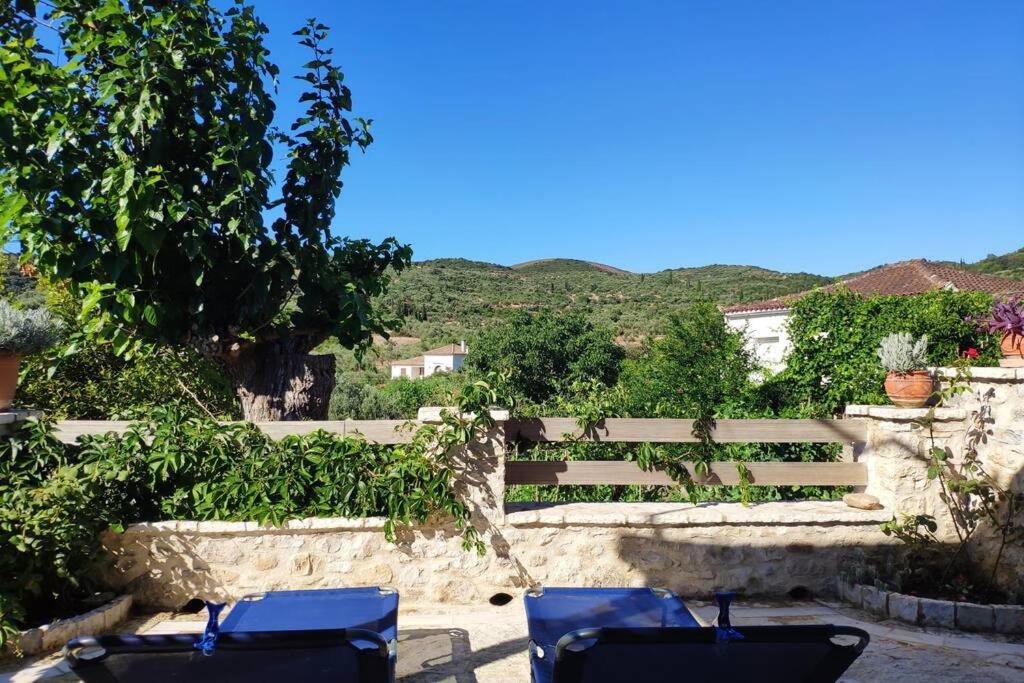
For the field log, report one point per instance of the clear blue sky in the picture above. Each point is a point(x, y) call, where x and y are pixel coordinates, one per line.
point(802, 136)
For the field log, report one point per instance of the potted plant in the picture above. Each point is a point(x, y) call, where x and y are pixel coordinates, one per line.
point(1007, 319)
point(21, 332)
point(907, 383)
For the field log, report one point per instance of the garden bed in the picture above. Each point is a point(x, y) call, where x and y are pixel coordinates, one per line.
point(911, 609)
point(56, 634)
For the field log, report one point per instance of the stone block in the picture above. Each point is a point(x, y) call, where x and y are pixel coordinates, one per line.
point(875, 601)
point(862, 501)
point(905, 608)
point(972, 617)
point(31, 641)
point(851, 592)
point(1009, 619)
point(937, 613)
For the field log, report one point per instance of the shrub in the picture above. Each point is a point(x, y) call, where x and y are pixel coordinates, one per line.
point(27, 331)
point(409, 395)
point(352, 400)
point(835, 336)
point(81, 379)
point(55, 499)
point(546, 353)
point(900, 352)
point(1007, 317)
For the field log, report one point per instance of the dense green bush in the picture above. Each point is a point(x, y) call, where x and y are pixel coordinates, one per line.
point(545, 353)
point(87, 380)
point(55, 500)
point(353, 399)
point(409, 395)
point(699, 370)
point(836, 335)
point(700, 367)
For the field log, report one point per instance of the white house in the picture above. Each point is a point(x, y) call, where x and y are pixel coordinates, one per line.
point(765, 323)
point(446, 358)
point(765, 330)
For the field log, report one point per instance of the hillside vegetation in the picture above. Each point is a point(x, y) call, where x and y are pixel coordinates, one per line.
point(443, 299)
point(1007, 265)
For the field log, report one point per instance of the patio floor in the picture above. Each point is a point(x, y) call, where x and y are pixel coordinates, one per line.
point(485, 644)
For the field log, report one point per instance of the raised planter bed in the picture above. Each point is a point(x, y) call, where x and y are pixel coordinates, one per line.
point(910, 609)
point(55, 635)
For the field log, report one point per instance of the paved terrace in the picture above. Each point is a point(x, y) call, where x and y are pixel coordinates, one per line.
point(474, 644)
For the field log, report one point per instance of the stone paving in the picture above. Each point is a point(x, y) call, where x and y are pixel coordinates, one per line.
point(473, 644)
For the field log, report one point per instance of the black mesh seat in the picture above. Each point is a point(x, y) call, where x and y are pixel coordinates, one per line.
point(338, 656)
point(761, 654)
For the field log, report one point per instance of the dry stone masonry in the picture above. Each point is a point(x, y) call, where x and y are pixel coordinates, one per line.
point(768, 548)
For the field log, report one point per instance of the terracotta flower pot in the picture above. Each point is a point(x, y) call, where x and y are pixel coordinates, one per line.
point(9, 363)
point(909, 389)
point(1012, 345)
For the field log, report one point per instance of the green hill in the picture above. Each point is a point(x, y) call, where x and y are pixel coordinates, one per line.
point(565, 265)
point(1007, 265)
point(444, 299)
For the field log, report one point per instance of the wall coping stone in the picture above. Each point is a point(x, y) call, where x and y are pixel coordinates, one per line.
point(983, 374)
point(789, 513)
point(310, 524)
point(893, 413)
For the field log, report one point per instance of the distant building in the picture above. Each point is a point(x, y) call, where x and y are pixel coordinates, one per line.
point(765, 323)
point(446, 358)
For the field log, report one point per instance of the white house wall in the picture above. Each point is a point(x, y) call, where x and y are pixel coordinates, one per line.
point(766, 334)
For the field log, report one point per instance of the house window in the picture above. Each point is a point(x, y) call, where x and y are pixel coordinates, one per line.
point(403, 372)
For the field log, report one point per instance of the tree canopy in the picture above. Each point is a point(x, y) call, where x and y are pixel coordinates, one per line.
point(135, 162)
point(543, 353)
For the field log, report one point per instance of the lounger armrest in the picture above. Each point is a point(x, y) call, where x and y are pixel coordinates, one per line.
point(75, 649)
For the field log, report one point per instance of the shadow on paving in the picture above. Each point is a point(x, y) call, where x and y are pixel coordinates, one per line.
point(446, 654)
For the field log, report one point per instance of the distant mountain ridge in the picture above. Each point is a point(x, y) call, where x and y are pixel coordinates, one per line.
point(567, 264)
point(448, 298)
point(442, 300)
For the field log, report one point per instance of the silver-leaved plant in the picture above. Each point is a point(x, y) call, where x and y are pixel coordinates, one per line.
point(900, 352)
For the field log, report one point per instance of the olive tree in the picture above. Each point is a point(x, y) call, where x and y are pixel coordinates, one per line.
point(135, 163)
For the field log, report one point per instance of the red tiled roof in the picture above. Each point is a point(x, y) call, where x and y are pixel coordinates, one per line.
point(903, 278)
point(447, 350)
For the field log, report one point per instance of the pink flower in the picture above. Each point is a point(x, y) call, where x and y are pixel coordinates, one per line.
point(971, 353)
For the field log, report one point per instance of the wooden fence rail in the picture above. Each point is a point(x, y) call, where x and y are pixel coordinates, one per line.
point(374, 431)
point(653, 430)
point(622, 430)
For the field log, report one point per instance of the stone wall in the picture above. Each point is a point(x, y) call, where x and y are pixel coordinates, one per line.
point(761, 549)
point(768, 548)
point(898, 445)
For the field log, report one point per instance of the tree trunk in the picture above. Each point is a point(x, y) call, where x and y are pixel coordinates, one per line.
point(278, 380)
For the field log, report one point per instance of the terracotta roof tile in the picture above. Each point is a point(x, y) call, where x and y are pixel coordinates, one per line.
point(903, 278)
point(447, 350)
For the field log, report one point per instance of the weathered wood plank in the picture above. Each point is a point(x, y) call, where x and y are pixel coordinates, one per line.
point(68, 431)
point(633, 430)
point(374, 431)
point(592, 472)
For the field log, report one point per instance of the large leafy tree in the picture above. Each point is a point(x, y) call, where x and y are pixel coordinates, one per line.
point(135, 162)
point(544, 353)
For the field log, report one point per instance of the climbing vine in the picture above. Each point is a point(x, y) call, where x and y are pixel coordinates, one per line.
point(56, 499)
point(973, 500)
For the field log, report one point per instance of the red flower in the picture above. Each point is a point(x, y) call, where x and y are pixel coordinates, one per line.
point(971, 353)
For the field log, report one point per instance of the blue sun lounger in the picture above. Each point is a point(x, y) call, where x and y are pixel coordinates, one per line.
point(343, 635)
point(644, 635)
